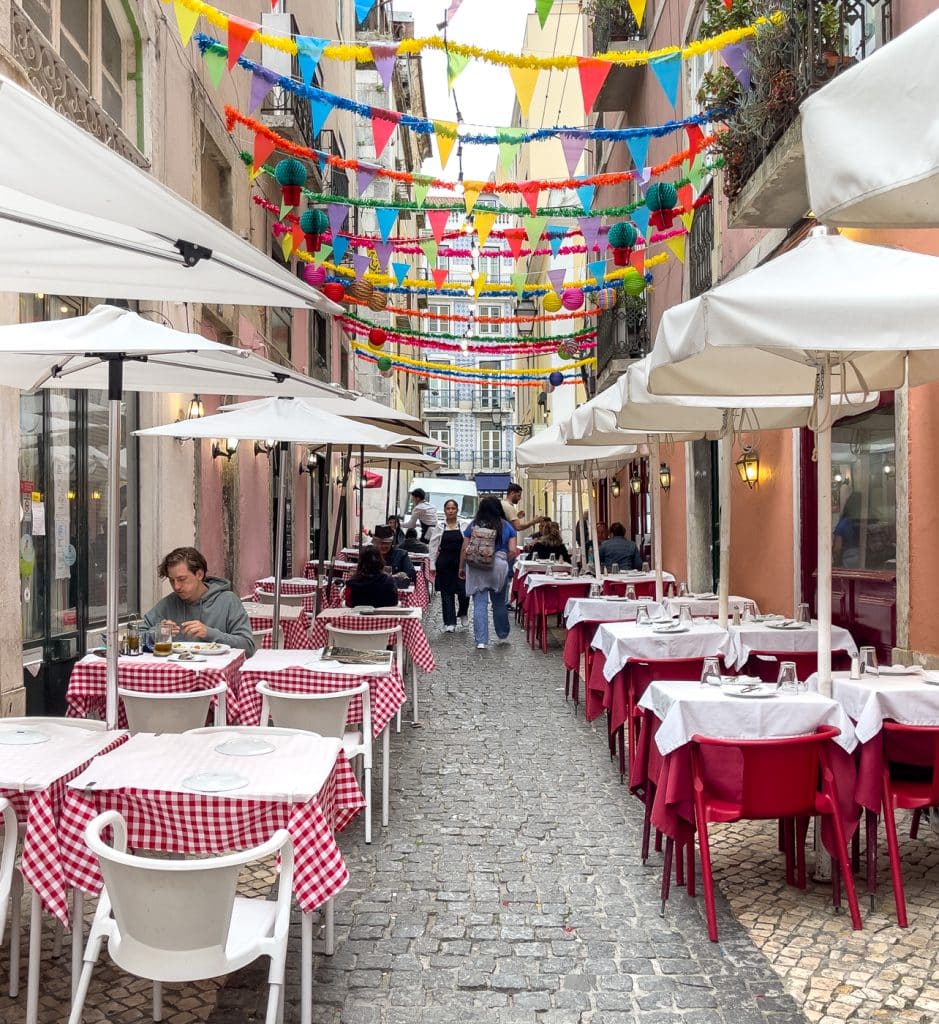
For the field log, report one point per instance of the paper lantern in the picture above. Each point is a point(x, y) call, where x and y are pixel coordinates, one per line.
point(551, 302)
point(661, 198)
point(313, 275)
point(361, 289)
point(606, 298)
point(555, 378)
point(291, 176)
point(568, 349)
point(573, 298)
point(315, 224)
point(384, 363)
point(377, 301)
point(634, 284)
point(377, 337)
point(621, 239)
point(334, 291)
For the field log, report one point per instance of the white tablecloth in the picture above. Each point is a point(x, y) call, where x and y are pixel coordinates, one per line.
point(638, 576)
point(538, 579)
point(742, 640)
point(620, 641)
point(709, 606)
point(870, 699)
point(528, 565)
point(277, 661)
point(686, 709)
point(606, 609)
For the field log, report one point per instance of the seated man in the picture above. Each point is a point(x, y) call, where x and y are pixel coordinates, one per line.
point(412, 544)
point(201, 607)
point(396, 559)
point(620, 550)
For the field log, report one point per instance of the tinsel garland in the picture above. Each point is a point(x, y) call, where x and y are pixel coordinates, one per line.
point(426, 314)
point(478, 372)
point(367, 324)
point(369, 357)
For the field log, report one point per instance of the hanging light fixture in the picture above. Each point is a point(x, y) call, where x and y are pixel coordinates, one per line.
point(748, 466)
point(196, 409)
point(264, 447)
point(614, 488)
point(225, 448)
point(665, 476)
point(309, 464)
point(635, 483)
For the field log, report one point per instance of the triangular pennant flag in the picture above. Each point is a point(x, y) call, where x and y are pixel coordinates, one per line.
point(364, 176)
point(573, 146)
point(586, 195)
point(429, 248)
point(556, 238)
point(640, 217)
point(383, 252)
point(360, 263)
point(421, 185)
point(645, 179)
point(456, 62)
point(263, 147)
point(260, 87)
point(471, 190)
point(320, 109)
point(597, 270)
point(439, 274)
point(479, 284)
point(543, 8)
point(383, 54)
point(383, 128)
point(697, 170)
point(186, 20)
point(677, 244)
point(593, 74)
point(253, 172)
point(299, 236)
point(400, 271)
point(530, 191)
point(638, 146)
point(336, 214)
point(285, 208)
point(386, 217)
point(667, 70)
point(685, 197)
point(735, 55)
point(286, 245)
point(239, 35)
point(438, 223)
point(514, 238)
point(340, 247)
point(453, 8)
point(687, 219)
point(309, 51)
point(695, 138)
point(483, 223)
point(509, 141)
point(637, 260)
point(534, 226)
point(590, 229)
point(638, 8)
point(524, 80)
point(215, 65)
point(445, 133)
point(362, 9)
point(518, 282)
point(321, 254)
point(556, 277)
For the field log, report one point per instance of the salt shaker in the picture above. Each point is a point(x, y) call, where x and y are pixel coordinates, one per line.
point(855, 667)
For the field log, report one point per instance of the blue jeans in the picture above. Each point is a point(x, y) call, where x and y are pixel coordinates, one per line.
point(500, 615)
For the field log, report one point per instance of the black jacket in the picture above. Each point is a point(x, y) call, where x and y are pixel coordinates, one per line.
point(397, 560)
point(378, 591)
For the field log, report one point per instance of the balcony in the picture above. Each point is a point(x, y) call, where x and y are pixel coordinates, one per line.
point(764, 172)
point(438, 399)
point(469, 462)
point(622, 338)
point(486, 403)
point(285, 112)
point(612, 31)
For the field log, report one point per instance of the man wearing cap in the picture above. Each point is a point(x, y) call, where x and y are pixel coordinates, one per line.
point(396, 559)
point(513, 495)
point(423, 514)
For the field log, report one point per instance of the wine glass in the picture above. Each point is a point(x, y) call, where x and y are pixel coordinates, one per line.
point(711, 672)
point(643, 618)
point(614, 568)
point(631, 592)
point(682, 589)
point(788, 679)
point(867, 659)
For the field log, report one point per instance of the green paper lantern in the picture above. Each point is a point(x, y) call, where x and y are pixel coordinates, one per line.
point(661, 196)
point(384, 363)
point(314, 222)
point(634, 284)
point(622, 235)
point(291, 176)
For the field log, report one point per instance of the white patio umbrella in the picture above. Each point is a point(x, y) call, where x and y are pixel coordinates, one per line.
point(353, 406)
point(77, 218)
point(829, 316)
point(114, 350)
point(286, 421)
point(871, 137)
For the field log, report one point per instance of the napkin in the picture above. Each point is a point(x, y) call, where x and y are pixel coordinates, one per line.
point(901, 670)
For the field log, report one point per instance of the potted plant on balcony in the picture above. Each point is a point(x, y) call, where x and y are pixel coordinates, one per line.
point(831, 36)
point(719, 91)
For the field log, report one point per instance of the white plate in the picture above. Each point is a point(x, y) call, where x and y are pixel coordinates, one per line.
point(22, 737)
point(202, 647)
point(790, 625)
point(667, 630)
point(245, 746)
point(900, 670)
point(186, 661)
point(214, 782)
point(761, 694)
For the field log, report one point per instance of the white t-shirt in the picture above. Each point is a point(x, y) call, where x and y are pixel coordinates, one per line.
point(423, 513)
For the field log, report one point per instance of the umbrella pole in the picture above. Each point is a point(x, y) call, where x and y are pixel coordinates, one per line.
point(361, 496)
point(283, 460)
point(592, 507)
point(323, 546)
point(115, 388)
point(388, 492)
point(823, 470)
point(656, 487)
point(579, 539)
point(723, 470)
point(554, 502)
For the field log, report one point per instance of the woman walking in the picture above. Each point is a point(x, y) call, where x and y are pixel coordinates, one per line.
point(445, 547)
point(489, 547)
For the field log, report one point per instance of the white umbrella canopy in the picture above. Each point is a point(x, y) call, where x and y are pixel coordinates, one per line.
point(871, 137)
point(76, 214)
point(548, 448)
point(356, 407)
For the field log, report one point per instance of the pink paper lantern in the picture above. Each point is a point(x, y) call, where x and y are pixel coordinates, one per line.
point(313, 275)
point(573, 298)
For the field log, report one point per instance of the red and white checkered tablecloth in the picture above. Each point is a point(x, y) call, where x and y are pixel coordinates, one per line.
point(87, 684)
point(412, 632)
point(197, 823)
point(386, 692)
point(295, 623)
point(338, 568)
point(306, 589)
point(41, 811)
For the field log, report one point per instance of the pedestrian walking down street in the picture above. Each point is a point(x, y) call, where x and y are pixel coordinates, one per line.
point(445, 548)
point(489, 548)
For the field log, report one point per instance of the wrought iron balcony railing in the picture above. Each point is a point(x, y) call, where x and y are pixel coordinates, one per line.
point(623, 332)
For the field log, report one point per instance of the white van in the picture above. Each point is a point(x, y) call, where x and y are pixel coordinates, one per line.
point(440, 489)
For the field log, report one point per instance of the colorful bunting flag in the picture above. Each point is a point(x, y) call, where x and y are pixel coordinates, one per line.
point(383, 128)
point(439, 274)
point(697, 170)
point(695, 138)
point(534, 226)
point(320, 109)
point(638, 8)
point(263, 147)
point(382, 253)
point(429, 248)
point(286, 245)
point(360, 263)
point(445, 134)
point(383, 54)
point(556, 237)
point(590, 229)
point(362, 9)
point(685, 197)
point(260, 87)
point(586, 195)
point(483, 223)
point(543, 8)
point(438, 223)
point(735, 56)
point(186, 20)
point(215, 66)
point(530, 191)
point(364, 176)
point(556, 277)
point(518, 282)
point(597, 270)
point(509, 141)
point(645, 180)
point(573, 146)
point(421, 185)
point(514, 237)
point(471, 190)
point(239, 35)
point(637, 260)
point(322, 253)
point(400, 272)
point(309, 51)
point(479, 284)
point(592, 76)
point(336, 214)
point(299, 237)
point(524, 80)
point(667, 71)
point(638, 148)
point(677, 245)
point(687, 219)
point(640, 217)
point(456, 63)
point(386, 217)
point(452, 9)
point(340, 247)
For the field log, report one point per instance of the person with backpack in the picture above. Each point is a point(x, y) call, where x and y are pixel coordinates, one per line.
point(489, 546)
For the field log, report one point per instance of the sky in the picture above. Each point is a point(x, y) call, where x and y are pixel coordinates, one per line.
point(484, 92)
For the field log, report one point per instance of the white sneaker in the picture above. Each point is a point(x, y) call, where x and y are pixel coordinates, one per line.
point(463, 621)
point(481, 647)
point(501, 640)
point(449, 629)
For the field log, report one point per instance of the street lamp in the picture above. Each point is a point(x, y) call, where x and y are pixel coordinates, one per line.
point(665, 476)
point(520, 429)
point(635, 483)
point(748, 466)
point(614, 488)
point(526, 308)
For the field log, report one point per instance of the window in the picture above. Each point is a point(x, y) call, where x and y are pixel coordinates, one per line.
point(318, 345)
point(491, 266)
point(489, 311)
point(441, 325)
point(489, 395)
point(440, 431)
point(439, 394)
point(216, 181)
point(490, 446)
point(280, 324)
point(696, 68)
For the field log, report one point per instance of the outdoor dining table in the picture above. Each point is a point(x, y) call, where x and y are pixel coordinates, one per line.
point(752, 637)
point(295, 623)
point(641, 579)
point(86, 686)
point(33, 777)
point(410, 619)
point(708, 605)
point(545, 594)
point(297, 586)
point(304, 784)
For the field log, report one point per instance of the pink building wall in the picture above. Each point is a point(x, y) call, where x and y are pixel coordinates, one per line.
point(675, 516)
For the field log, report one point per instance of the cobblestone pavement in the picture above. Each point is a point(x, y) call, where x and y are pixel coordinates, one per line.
point(509, 885)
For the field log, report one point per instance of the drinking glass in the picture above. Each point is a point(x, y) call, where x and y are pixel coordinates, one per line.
point(803, 615)
point(552, 558)
point(684, 616)
point(788, 679)
point(146, 641)
point(163, 641)
point(682, 589)
point(631, 592)
point(133, 639)
point(645, 566)
point(643, 618)
point(594, 589)
point(867, 657)
point(748, 612)
point(711, 672)
point(614, 568)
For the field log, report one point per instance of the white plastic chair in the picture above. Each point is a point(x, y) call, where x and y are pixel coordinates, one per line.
point(370, 640)
point(171, 712)
point(8, 886)
point(179, 920)
point(326, 714)
point(286, 600)
point(260, 634)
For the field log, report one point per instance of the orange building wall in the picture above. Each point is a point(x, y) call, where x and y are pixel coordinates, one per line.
point(924, 519)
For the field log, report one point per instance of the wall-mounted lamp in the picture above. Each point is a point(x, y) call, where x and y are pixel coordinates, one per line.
point(225, 448)
point(264, 447)
point(635, 483)
point(309, 464)
point(888, 469)
point(196, 409)
point(614, 488)
point(665, 476)
point(96, 495)
point(748, 466)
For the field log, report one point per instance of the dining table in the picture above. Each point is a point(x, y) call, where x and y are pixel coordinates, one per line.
point(708, 605)
point(296, 586)
point(779, 634)
point(642, 580)
point(190, 793)
point(295, 622)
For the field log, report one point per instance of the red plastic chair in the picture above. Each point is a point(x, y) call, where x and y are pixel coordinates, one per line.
point(617, 588)
point(765, 664)
point(911, 794)
point(787, 777)
point(549, 600)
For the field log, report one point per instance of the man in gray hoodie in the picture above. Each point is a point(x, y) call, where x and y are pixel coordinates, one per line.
point(201, 607)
